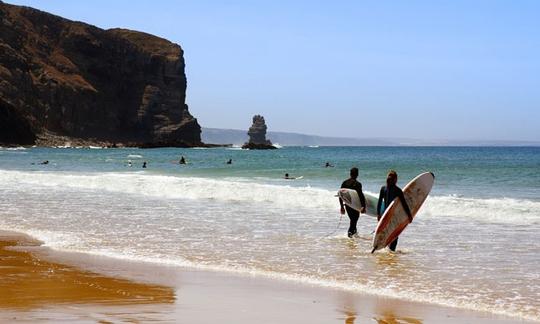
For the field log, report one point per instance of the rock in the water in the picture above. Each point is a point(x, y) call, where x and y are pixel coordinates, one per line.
point(64, 79)
point(257, 135)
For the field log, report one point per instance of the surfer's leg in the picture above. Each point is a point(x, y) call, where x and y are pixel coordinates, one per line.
point(353, 216)
point(393, 245)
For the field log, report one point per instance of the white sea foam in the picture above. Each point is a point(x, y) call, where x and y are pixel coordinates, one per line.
point(171, 187)
point(504, 210)
point(19, 148)
point(135, 156)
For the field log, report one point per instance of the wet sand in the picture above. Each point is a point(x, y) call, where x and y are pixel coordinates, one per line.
point(41, 285)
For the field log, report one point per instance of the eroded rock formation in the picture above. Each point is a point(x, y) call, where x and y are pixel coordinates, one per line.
point(257, 135)
point(63, 79)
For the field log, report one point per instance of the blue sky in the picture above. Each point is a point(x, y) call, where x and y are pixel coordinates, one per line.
point(458, 70)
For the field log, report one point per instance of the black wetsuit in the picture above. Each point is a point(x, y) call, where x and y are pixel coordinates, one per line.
point(354, 214)
point(386, 196)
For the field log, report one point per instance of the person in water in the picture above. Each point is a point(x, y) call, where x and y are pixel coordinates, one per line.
point(288, 177)
point(387, 194)
point(144, 165)
point(328, 165)
point(230, 161)
point(352, 183)
point(182, 160)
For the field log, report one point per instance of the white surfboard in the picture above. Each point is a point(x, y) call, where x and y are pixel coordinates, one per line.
point(350, 198)
point(395, 219)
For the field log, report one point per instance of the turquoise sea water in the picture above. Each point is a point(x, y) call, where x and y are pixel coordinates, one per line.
point(488, 172)
point(474, 244)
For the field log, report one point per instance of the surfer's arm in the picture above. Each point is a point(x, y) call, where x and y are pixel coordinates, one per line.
point(362, 199)
point(405, 206)
point(342, 209)
point(379, 203)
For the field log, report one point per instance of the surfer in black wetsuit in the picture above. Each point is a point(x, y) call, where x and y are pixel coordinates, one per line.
point(287, 177)
point(352, 183)
point(387, 195)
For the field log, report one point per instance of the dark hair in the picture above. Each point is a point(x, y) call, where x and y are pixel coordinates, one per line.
point(354, 172)
point(391, 178)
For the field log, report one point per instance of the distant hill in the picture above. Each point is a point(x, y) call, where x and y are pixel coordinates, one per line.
point(239, 137)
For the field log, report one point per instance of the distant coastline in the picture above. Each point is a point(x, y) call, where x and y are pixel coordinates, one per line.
point(238, 137)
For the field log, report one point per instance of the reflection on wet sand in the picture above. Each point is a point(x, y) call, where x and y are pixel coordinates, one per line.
point(27, 282)
point(350, 317)
point(381, 311)
point(390, 318)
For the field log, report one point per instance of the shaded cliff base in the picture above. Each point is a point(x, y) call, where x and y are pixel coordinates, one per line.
point(48, 139)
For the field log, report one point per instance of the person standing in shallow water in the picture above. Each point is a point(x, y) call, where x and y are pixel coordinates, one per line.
point(352, 183)
point(387, 194)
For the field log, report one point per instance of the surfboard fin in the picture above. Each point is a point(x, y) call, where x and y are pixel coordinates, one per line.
point(374, 249)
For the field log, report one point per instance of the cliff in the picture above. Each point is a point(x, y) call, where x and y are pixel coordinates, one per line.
point(64, 80)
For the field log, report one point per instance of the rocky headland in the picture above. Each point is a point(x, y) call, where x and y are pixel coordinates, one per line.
point(63, 81)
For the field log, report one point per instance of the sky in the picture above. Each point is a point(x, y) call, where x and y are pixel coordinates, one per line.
point(448, 70)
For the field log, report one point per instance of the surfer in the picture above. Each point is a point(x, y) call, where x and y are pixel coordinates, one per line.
point(230, 161)
point(352, 183)
point(182, 160)
point(387, 194)
point(287, 177)
point(328, 165)
point(144, 165)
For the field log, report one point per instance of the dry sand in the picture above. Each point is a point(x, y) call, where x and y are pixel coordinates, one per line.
point(38, 285)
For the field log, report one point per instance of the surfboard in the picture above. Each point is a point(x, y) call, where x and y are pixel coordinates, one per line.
point(395, 219)
point(294, 178)
point(351, 199)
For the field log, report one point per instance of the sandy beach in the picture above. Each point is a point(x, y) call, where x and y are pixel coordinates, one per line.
point(41, 285)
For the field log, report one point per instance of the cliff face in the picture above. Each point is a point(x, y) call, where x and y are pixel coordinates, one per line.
point(65, 79)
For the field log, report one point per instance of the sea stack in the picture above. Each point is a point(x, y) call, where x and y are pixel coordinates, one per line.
point(257, 135)
point(63, 81)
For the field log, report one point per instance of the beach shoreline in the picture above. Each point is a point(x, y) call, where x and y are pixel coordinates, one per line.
point(45, 285)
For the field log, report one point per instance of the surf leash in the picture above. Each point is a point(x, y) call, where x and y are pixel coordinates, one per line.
point(334, 231)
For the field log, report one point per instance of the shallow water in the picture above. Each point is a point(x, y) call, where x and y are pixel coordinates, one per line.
point(474, 244)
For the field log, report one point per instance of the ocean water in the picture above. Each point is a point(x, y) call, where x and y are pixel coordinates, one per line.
point(475, 243)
